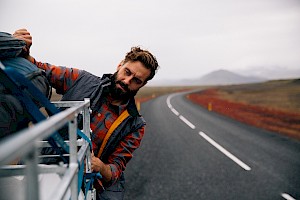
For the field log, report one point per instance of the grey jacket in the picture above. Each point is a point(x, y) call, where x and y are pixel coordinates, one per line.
point(90, 86)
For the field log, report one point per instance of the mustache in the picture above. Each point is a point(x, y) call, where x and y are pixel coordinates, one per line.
point(123, 85)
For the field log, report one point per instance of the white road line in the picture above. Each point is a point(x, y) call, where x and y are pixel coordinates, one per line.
point(175, 111)
point(169, 102)
point(224, 151)
point(211, 141)
point(287, 196)
point(187, 122)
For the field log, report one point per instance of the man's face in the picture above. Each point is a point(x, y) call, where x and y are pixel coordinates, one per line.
point(128, 79)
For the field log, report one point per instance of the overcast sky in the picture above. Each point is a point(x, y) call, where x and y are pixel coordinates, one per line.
point(190, 38)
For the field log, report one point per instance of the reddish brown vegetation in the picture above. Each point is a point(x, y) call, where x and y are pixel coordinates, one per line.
point(272, 119)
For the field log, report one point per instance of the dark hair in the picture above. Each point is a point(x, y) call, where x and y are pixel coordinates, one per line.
point(145, 57)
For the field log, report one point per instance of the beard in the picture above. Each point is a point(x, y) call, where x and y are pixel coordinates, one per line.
point(117, 93)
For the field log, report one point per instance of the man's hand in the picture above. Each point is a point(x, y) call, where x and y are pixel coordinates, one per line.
point(98, 166)
point(96, 163)
point(24, 35)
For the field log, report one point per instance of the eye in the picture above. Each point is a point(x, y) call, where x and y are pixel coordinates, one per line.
point(127, 72)
point(137, 81)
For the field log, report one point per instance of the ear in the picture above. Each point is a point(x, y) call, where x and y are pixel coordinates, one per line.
point(120, 65)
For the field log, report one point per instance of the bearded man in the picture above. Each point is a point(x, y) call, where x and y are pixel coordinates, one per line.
point(110, 96)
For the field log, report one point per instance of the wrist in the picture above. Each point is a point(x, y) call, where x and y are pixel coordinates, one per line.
point(106, 172)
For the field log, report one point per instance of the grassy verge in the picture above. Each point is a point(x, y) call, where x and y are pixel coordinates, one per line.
point(273, 105)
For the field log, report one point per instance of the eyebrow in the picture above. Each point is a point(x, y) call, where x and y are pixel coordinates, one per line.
point(137, 77)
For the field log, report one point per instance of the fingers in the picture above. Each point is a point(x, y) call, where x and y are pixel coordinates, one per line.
point(24, 35)
point(21, 31)
point(95, 163)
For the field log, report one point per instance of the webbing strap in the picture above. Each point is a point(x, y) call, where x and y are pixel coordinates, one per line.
point(80, 175)
point(82, 135)
point(116, 123)
point(91, 177)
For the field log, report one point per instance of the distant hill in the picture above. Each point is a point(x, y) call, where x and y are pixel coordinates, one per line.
point(218, 77)
point(224, 77)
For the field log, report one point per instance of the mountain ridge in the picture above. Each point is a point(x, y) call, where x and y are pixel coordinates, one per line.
point(217, 77)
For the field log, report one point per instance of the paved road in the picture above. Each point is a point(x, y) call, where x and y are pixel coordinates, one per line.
point(190, 153)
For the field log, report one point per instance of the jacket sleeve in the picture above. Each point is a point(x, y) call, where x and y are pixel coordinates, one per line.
point(61, 78)
point(123, 154)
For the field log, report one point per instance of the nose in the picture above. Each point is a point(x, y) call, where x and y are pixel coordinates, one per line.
point(127, 79)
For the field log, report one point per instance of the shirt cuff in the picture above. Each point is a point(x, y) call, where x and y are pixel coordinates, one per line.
point(31, 59)
point(114, 177)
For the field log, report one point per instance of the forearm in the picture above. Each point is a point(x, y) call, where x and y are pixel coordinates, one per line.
point(106, 172)
point(61, 78)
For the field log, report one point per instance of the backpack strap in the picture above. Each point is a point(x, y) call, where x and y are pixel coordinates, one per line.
point(116, 123)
